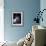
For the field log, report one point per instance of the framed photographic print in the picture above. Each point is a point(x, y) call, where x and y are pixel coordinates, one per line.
point(17, 18)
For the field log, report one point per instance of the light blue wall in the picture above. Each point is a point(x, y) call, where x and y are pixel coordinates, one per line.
point(43, 6)
point(29, 7)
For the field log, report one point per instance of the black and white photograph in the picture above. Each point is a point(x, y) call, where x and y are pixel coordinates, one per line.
point(17, 18)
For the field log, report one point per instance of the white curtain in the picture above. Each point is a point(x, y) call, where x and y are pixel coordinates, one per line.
point(1, 20)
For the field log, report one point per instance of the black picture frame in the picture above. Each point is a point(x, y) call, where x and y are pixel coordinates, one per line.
point(17, 18)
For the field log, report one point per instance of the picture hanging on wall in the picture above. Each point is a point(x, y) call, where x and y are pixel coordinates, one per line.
point(17, 18)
